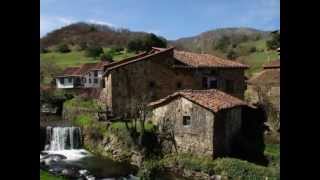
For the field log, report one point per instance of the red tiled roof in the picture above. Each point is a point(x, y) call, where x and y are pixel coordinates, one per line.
point(205, 60)
point(125, 60)
point(211, 99)
point(71, 71)
point(144, 56)
point(272, 64)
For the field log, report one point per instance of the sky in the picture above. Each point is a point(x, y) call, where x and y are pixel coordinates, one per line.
point(171, 19)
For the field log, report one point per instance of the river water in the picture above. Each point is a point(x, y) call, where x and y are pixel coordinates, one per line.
point(63, 155)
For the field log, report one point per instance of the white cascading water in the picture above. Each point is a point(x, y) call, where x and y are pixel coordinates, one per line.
point(63, 138)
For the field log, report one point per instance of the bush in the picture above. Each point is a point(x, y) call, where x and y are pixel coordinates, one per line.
point(93, 51)
point(236, 168)
point(150, 169)
point(106, 56)
point(82, 120)
point(44, 50)
point(63, 48)
point(232, 55)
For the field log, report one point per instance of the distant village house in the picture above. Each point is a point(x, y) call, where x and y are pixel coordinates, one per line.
point(86, 76)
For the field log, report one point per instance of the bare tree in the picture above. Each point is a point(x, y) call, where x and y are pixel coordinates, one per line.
point(138, 113)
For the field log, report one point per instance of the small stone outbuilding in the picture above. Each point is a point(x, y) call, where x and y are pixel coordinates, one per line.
point(202, 121)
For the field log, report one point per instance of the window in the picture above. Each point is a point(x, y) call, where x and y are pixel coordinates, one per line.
point(212, 84)
point(205, 82)
point(213, 72)
point(186, 121)
point(61, 80)
point(95, 81)
point(229, 86)
point(89, 81)
point(95, 73)
point(70, 80)
point(209, 83)
point(152, 84)
point(179, 85)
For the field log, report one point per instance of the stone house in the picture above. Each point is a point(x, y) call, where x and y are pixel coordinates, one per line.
point(204, 122)
point(88, 75)
point(264, 88)
point(153, 75)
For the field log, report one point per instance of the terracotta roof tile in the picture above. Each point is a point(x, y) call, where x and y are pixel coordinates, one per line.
point(211, 99)
point(71, 71)
point(205, 60)
point(272, 64)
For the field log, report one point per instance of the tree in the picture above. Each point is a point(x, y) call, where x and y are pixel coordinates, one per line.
point(274, 42)
point(154, 41)
point(48, 70)
point(44, 50)
point(223, 43)
point(94, 51)
point(107, 56)
point(63, 48)
point(146, 43)
point(135, 45)
point(232, 55)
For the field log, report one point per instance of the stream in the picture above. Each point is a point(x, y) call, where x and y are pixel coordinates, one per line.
point(63, 155)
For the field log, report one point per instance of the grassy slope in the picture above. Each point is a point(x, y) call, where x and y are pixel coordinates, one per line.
point(76, 58)
point(47, 176)
point(257, 59)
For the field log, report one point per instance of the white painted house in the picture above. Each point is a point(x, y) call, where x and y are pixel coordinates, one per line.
point(70, 78)
point(88, 75)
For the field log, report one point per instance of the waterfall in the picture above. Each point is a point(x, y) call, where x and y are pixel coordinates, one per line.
point(62, 138)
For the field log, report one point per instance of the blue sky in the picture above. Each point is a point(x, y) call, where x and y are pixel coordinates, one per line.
point(171, 19)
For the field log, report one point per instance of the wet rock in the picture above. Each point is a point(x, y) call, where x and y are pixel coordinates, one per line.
point(84, 172)
point(215, 177)
point(90, 177)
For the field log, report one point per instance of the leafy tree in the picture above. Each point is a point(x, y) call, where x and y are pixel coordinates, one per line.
point(232, 55)
point(44, 50)
point(223, 43)
point(135, 45)
point(48, 70)
point(106, 56)
point(63, 48)
point(154, 41)
point(146, 43)
point(253, 49)
point(274, 42)
point(94, 51)
point(83, 45)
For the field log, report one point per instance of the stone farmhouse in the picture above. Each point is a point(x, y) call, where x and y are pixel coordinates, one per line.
point(265, 88)
point(86, 76)
point(203, 121)
point(154, 75)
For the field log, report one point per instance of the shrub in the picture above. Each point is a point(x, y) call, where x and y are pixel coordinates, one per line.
point(106, 56)
point(63, 48)
point(150, 169)
point(83, 120)
point(93, 51)
point(236, 168)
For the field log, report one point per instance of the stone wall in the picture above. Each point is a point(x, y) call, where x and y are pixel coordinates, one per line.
point(196, 138)
point(150, 80)
point(155, 78)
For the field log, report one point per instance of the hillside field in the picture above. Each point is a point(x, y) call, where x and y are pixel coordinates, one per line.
point(76, 58)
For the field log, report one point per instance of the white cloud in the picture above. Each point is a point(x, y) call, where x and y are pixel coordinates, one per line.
point(94, 21)
point(49, 23)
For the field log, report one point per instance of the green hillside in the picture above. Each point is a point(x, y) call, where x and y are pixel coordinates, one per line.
point(256, 59)
point(76, 58)
point(53, 63)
